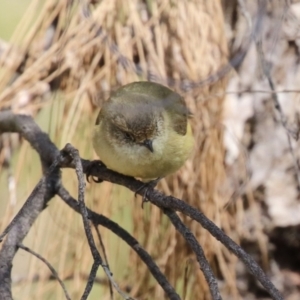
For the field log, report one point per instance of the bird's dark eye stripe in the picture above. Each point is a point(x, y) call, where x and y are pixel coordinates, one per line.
point(129, 136)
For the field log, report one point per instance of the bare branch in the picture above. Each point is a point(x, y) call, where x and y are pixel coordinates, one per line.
point(127, 238)
point(20, 226)
point(289, 133)
point(197, 249)
point(31, 132)
point(100, 171)
point(36, 202)
point(105, 257)
point(54, 273)
point(69, 150)
point(173, 203)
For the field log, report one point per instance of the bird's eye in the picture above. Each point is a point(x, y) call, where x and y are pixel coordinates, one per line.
point(129, 136)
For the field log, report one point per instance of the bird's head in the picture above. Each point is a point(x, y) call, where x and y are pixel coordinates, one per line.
point(137, 125)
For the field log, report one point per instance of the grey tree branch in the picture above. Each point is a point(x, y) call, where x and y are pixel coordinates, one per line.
point(105, 257)
point(13, 123)
point(173, 203)
point(21, 225)
point(98, 219)
point(74, 154)
point(203, 263)
point(48, 186)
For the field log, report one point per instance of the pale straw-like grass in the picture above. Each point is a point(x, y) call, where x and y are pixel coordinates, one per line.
point(72, 56)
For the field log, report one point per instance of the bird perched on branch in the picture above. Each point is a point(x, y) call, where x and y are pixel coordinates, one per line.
point(143, 131)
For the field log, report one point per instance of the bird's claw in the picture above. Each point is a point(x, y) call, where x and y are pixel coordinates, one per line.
point(144, 200)
point(147, 185)
point(93, 164)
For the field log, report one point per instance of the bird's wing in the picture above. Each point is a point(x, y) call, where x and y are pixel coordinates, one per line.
point(177, 111)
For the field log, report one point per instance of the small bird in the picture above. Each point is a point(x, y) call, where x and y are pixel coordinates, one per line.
point(143, 131)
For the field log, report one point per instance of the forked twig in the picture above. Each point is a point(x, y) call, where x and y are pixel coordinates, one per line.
point(127, 238)
point(173, 203)
point(69, 150)
point(155, 197)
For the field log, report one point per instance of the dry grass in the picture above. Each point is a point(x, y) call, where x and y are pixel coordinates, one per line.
point(78, 57)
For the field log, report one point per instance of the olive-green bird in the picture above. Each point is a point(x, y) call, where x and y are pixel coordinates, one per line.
point(143, 130)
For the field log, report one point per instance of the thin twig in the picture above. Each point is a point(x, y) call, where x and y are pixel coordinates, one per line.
point(250, 91)
point(40, 141)
point(246, 13)
point(36, 278)
point(34, 193)
point(91, 279)
point(155, 197)
point(127, 238)
point(46, 189)
point(54, 273)
point(197, 249)
point(170, 202)
point(69, 150)
point(267, 72)
point(105, 257)
point(173, 203)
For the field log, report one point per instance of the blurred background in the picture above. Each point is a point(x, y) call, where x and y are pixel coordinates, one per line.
point(60, 59)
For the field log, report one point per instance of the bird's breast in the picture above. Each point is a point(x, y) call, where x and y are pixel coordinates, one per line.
point(170, 151)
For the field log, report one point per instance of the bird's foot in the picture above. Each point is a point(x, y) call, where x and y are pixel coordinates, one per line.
point(147, 186)
point(93, 164)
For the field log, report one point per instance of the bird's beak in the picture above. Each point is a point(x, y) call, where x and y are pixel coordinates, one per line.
point(148, 144)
